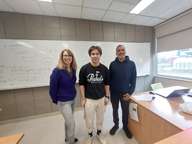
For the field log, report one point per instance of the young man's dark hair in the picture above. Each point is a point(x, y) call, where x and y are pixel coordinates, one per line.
point(93, 48)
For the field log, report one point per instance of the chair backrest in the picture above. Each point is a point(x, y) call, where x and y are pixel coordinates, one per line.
point(156, 86)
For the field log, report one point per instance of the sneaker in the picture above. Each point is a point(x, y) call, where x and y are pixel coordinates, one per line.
point(100, 138)
point(98, 132)
point(90, 139)
point(128, 133)
point(75, 140)
point(113, 130)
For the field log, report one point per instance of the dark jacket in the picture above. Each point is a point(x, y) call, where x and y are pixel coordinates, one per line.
point(122, 76)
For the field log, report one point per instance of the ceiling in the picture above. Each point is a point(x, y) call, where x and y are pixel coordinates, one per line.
point(102, 10)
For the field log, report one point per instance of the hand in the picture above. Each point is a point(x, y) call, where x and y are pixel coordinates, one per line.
point(106, 100)
point(83, 102)
point(126, 97)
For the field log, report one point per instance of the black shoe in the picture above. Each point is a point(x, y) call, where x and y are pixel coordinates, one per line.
point(113, 130)
point(75, 140)
point(91, 134)
point(128, 133)
point(98, 132)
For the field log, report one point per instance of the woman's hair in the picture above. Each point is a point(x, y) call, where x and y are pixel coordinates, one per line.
point(95, 48)
point(61, 64)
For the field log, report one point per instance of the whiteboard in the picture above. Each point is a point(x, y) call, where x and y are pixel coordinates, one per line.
point(29, 63)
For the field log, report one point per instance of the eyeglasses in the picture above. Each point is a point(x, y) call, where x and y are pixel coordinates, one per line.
point(67, 55)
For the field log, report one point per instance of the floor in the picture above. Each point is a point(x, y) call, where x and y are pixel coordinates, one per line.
point(49, 129)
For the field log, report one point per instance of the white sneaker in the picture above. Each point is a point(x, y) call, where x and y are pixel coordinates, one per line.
point(90, 140)
point(101, 139)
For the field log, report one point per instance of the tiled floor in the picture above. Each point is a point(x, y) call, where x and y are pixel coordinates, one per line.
point(48, 129)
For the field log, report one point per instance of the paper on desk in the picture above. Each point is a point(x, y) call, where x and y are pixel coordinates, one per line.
point(144, 97)
point(133, 111)
point(186, 107)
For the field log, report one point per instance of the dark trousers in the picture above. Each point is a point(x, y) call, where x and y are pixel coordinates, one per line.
point(115, 99)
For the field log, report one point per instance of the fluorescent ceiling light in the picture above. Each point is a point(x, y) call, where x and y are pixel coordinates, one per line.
point(45, 0)
point(141, 6)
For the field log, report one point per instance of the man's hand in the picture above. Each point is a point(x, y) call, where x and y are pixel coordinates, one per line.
point(126, 97)
point(106, 100)
point(83, 102)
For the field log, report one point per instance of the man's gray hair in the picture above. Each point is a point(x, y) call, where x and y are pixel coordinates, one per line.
point(120, 46)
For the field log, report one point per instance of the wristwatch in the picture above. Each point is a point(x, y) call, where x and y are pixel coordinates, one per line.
point(107, 97)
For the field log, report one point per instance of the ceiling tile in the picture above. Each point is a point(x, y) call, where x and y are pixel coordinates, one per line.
point(25, 6)
point(47, 9)
point(127, 18)
point(101, 4)
point(105, 10)
point(113, 16)
point(69, 2)
point(94, 14)
point(140, 20)
point(179, 7)
point(155, 21)
point(133, 2)
point(121, 6)
point(4, 6)
point(157, 8)
point(68, 11)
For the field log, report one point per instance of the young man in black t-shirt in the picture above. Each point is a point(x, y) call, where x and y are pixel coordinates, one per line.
point(94, 89)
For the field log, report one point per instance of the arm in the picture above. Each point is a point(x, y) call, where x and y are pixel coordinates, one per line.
point(53, 88)
point(133, 80)
point(110, 73)
point(126, 96)
point(82, 95)
point(107, 91)
point(82, 81)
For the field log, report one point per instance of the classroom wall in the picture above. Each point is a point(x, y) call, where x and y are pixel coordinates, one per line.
point(32, 101)
point(177, 27)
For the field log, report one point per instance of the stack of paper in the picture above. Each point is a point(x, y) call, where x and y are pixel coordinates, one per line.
point(186, 107)
point(144, 97)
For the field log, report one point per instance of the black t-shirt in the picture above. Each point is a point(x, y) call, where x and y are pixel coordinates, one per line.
point(94, 80)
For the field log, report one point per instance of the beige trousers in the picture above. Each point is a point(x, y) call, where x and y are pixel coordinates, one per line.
point(94, 108)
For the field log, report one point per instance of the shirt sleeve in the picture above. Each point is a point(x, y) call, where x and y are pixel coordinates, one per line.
point(53, 87)
point(133, 80)
point(107, 78)
point(110, 73)
point(82, 77)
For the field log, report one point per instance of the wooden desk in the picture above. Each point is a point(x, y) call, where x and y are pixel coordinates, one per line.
point(184, 137)
point(159, 118)
point(13, 139)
